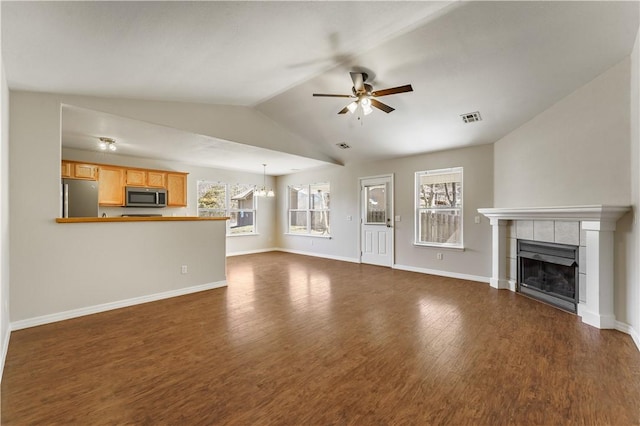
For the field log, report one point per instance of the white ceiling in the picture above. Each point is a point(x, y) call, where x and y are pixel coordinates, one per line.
point(82, 128)
point(508, 60)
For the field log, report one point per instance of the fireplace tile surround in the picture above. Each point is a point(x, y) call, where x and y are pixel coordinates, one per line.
point(589, 227)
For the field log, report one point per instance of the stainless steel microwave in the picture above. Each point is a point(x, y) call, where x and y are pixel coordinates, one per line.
point(145, 197)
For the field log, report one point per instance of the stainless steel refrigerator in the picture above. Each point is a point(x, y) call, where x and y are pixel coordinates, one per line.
point(79, 198)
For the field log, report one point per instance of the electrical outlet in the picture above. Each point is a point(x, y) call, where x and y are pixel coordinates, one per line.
point(439, 256)
point(184, 269)
point(349, 218)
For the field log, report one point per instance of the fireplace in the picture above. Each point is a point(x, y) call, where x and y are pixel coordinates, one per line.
point(549, 272)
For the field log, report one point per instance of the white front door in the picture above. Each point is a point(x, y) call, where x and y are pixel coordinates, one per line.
point(376, 220)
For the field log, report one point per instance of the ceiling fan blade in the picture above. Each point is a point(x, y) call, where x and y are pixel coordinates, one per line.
point(333, 96)
point(358, 81)
point(384, 107)
point(343, 110)
point(393, 90)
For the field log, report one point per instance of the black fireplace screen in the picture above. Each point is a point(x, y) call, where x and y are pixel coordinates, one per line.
point(549, 277)
point(549, 271)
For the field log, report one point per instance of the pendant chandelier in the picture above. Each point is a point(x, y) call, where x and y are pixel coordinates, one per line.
point(264, 192)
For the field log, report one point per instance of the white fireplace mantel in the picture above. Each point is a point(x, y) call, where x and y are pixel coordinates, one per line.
point(598, 222)
point(580, 213)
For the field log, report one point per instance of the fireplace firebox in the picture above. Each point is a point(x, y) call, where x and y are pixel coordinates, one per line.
point(549, 272)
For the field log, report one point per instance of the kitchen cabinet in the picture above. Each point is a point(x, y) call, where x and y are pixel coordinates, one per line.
point(156, 179)
point(111, 186)
point(136, 178)
point(65, 170)
point(176, 189)
point(85, 171)
point(112, 181)
point(73, 170)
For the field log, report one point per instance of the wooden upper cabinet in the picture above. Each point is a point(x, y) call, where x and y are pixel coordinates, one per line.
point(156, 179)
point(85, 171)
point(73, 170)
point(111, 186)
point(112, 181)
point(176, 189)
point(136, 178)
point(65, 170)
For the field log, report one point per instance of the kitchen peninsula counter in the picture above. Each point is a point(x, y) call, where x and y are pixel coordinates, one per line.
point(138, 219)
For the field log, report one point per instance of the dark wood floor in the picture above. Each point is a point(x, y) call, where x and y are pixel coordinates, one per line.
point(297, 340)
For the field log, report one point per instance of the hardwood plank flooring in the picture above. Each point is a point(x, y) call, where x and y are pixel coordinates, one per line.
point(296, 340)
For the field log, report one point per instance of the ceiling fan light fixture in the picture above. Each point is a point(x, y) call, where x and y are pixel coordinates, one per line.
point(352, 107)
point(366, 108)
point(365, 101)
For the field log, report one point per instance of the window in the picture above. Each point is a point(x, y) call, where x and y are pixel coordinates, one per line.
point(309, 209)
point(236, 201)
point(439, 207)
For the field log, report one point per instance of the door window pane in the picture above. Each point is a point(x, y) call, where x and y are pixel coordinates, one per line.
point(376, 199)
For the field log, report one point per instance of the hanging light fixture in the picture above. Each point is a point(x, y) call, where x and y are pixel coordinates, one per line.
point(107, 144)
point(264, 192)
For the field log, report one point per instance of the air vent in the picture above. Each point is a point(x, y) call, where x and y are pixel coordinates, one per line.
point(343, 145)
point(471, 117)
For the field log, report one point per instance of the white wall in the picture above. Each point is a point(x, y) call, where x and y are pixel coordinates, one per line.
point(265, 215)
point(578, 152)
point(4, 216)
point(474, 261)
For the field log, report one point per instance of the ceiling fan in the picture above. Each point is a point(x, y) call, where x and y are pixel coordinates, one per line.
point(365, 96)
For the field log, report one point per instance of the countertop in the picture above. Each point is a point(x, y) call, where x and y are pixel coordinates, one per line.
point(137, 219)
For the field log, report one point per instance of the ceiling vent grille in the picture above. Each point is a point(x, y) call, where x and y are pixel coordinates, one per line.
point(471, 117)
point(343, 145)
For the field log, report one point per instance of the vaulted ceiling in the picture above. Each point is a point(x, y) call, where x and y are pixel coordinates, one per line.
point(508, 60)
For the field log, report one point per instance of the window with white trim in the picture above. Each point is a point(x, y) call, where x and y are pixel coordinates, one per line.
point(439, 208)
point(236, 201)
point(309, 209)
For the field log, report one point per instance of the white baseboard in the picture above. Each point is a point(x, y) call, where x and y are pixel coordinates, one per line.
point(626, 328)
point(74, 313)
point(5, 348)
point(240, 253)
point(326, 256)
point(442, 273)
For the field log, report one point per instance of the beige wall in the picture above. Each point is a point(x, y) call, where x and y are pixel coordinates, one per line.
point(632, 263)
point(574, 153)
point(4, 216)
point(474, 261)
point(578, 152)
point(61, 267)
point(265, 215)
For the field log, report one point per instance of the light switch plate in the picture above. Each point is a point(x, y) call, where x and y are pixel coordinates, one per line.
point(398, 218)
